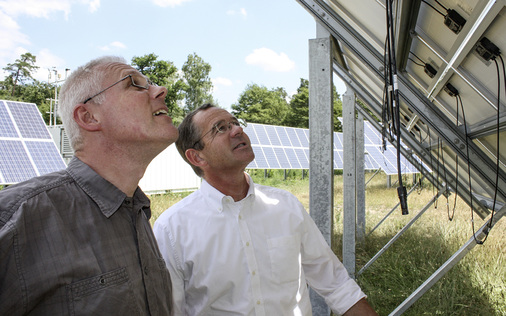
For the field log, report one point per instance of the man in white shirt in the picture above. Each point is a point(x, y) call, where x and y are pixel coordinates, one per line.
point(234, 247)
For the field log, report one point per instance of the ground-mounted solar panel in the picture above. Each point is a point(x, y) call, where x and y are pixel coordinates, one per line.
point(282, 147)
point(26, 147)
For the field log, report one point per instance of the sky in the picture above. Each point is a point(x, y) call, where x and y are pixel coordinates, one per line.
point(262, 42)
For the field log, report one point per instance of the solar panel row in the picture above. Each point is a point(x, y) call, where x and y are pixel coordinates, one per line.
point(26, 147)
point(281, 147)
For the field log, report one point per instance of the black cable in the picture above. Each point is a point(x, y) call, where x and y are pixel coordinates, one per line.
point(414, 62)
point(469, 170)
point(446, 9)
point(440, 142)
point(401, 190)
point(430, 5)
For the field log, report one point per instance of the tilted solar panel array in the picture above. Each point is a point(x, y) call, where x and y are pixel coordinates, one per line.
point(281, 147)
point(26, 147)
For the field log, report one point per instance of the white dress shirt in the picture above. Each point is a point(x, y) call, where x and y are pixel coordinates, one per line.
point(252, 257)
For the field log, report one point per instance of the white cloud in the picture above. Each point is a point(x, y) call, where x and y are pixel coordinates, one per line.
point(269, 60)
point(35, 8)
point(113, 46)
point(169, 3)
point(14, 42)
point(242, 11)
point(12, 39)
point(93, 5)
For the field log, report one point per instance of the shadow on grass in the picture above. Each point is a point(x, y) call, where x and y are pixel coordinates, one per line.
point(413, 258)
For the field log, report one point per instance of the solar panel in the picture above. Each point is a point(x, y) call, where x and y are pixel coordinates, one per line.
point(281, 147)
point(26, 147)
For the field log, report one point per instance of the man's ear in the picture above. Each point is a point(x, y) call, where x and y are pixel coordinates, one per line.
point(85, 118)
point(194, 157)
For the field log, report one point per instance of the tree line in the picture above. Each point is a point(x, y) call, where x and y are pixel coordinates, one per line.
point(187, 88)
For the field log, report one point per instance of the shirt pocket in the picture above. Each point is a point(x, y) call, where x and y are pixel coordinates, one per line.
point(284, 253)
point(105, 294)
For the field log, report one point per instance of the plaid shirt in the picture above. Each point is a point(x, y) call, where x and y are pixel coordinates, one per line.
point(71, 243)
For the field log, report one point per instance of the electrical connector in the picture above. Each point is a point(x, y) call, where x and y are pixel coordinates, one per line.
point(487, 50)
point(454, 21)
point(451, 90)
point(403, 199)
point(429, 70)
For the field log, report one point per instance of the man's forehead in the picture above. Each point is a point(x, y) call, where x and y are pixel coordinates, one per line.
point(121, 70)
point(212, 116)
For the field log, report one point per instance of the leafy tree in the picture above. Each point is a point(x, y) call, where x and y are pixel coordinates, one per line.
point(298, 115)
point(163, 73)
point(21, 70)
point(198, 83)
point(257, 104)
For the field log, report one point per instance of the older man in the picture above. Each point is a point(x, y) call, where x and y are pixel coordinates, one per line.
point(78, 241)
point(234, 247)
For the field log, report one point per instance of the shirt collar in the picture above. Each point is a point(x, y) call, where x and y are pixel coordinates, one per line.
point(215, 198)
point(107, 196)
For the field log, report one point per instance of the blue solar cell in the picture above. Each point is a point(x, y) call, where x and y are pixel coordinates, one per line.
point(292, 157)
point(283, 137)
point(303, 136)
point(271, 158)
point(28, 120)
point(273, 135)
point(341, 141)
point(263, 138)
point(260, 158)
point(294, 140)
point(15, 166)
point(45, 156)
point(250, 131)
point(283, 160)
point(303, 159)
point(7, 129)
point(338, 159)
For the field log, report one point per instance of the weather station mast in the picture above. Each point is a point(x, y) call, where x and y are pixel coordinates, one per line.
point(53, 103)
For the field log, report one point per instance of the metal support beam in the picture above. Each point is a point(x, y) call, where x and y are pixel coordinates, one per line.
point(321, 179)
point(360, 179)
point(349, 182)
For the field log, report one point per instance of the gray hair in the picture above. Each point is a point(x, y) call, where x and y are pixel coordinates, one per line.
point(81, 84)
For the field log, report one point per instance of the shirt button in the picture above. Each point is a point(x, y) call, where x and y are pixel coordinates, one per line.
point(258, 302)
point(146, 270)
point(247, 244)
point(240, 216)
point(253, 273)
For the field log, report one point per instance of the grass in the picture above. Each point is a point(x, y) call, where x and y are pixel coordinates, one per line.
point(475, 286)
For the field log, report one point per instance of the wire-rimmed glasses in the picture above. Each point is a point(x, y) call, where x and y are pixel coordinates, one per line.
point(135, 83)
point(222, 127)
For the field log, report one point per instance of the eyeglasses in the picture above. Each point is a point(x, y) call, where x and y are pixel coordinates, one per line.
point(222, 127)
point(135, 83)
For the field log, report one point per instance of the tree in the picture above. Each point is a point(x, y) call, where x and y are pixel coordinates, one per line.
point(163, 73)
point(198, 83)
point(298, 115)
point(21, 70)
point(257, 104)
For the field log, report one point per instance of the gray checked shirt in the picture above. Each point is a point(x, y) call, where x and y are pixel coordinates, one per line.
point(71, 243)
